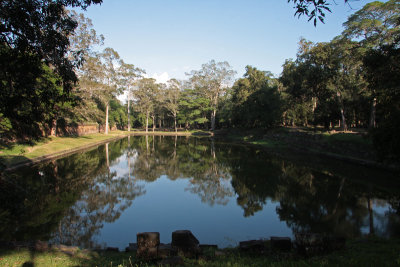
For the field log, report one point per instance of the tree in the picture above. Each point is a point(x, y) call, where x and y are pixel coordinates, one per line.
point(83, 40)
point(111, 64)
point(172, 95)
point(34, 37)
point(383, 74)
point(144, 95)
point(41, 28)
point(212, 80)
point(129, 73)
point(374, 26)
point(298, 106)
point(255, 99)
point(193, 107)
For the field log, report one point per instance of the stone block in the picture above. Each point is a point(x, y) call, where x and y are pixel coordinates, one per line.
point(147, 244)
point(184, 238)
point(148, 239)
point(281, 243)
point(185, 243)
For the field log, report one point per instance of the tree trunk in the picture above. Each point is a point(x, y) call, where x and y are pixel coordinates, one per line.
point(147, 121)
point(160, 123)
point(344, 125)
point(106, 129)
point(213, 114)
point(53, 130)
point(314, 103)
point(154, 122)
point(372, 119)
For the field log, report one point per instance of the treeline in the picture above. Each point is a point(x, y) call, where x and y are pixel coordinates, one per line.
point(57, 76)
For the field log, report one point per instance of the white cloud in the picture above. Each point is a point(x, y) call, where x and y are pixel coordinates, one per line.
point(161, 78)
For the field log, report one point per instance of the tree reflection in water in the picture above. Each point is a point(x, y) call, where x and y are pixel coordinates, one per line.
point(70, 199)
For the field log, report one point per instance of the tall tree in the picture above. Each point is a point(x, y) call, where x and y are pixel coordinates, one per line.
point(193, 108)
point(212, 80)
point(34, 43)
point(383, 74)
point(172, 95)
point(111, 70)
point(374, 26)
point(83, 40)
point(145, 93)
point(129, 74)
point(256, 102)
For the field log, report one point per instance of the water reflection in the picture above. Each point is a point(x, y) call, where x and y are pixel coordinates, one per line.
point(70, 200)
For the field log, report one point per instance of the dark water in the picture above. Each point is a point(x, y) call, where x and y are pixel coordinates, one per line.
point(224, 193)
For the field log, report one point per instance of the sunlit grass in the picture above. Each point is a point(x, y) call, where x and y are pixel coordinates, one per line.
point(16, 153)
point(346, 137)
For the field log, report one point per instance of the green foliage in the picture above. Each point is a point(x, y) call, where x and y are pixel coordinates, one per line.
point(31, 94)
point(212, 82)
point(194, 108)
point(383, 73)
point(118, 115)
point(376, 24)
point(255, 100)
point(37, 75)
point(314, 10)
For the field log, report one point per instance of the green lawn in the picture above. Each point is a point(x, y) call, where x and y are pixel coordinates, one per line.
point(15, 153)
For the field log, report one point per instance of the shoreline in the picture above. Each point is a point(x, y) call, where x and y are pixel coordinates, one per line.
point(264, 139)
point(115, 135)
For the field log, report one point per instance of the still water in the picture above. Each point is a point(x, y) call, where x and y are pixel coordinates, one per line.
point(223, 192)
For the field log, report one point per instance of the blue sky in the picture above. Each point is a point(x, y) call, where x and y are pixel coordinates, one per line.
point(170, 37)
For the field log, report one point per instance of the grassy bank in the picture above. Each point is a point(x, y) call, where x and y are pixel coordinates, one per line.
point(366, 252)
point(17, 153)
point(351, 145)
point(13, 154)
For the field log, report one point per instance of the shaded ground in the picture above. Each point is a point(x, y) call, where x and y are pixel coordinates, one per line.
point(362, 252)
point(354, 146)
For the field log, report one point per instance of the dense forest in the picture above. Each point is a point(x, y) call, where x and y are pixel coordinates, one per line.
point(55, 73)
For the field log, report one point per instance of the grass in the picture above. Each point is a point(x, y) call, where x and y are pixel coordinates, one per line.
point(349, 137)
point(352, 145)
point(15, 153)
point(362, 252)
point(25, 257)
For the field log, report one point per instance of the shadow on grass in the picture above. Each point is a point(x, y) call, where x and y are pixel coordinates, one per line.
point(7, 161)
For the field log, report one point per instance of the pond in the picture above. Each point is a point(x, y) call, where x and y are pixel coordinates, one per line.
point(223, 192)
